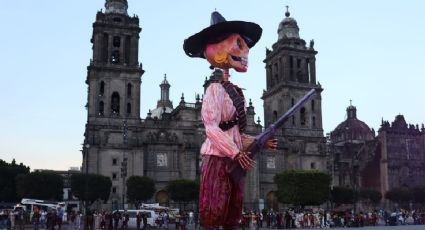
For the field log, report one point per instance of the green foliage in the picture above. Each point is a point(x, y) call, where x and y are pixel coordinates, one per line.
point(8, 173)
point(183, 190)
point(45, 185)
point(99, 187)
point(419, 194)
point(370, 196)
point(139, 189)
point(343, 195)
point(303, 187)
point(399, 195)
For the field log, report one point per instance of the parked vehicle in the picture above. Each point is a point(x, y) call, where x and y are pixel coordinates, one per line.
point(28, 205)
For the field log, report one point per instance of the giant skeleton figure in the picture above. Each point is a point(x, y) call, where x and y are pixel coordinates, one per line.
point(225, 44)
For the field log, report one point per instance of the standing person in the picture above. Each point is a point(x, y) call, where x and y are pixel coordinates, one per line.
point(20, 219)
point(166, 219)
point(59, 218)
point(125, 220)
point(78, 220)
point(225, 44)
point(287, 220)
point(107, 219)
point(145, 221)
point(36, 218)
point(43, 219)
point(3, 219)
point(97, 220)
point(89, 220)
point(260, 219)
point(116, 217)
point(190, 222)
point(12, 219)
point(72, 220)
point(138, 220)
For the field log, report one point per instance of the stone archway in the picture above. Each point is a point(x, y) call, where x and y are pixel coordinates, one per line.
point(162, 197)
point(271, 200)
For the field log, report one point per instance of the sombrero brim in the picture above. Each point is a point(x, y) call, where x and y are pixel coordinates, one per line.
point(194, 45)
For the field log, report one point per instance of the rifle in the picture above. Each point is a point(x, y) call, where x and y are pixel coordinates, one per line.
point(236, 171)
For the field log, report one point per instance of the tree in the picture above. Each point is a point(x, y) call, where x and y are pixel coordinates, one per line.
point(8, 173)
point(342, 195)
point(44, 185)
point(303, 187)
point(419, 194)
point(99, 187)
point(399, 195)
point(139, 189)
point(370, 196)
point(183, 190)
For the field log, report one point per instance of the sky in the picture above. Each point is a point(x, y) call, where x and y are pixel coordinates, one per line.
point(370, 52)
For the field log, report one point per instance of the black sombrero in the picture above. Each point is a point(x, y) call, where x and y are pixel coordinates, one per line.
point(218, 30)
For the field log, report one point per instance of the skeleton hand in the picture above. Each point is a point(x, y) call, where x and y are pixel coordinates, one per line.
point(245, 161)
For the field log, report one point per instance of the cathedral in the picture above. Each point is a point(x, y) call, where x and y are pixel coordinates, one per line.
point(165, 144)
point(394, 158)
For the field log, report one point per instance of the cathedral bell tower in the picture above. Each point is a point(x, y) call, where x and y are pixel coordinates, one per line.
point(113, 78)
point(291, 73)
point(114, 73)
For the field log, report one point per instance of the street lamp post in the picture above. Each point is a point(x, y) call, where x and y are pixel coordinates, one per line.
point(86, 190)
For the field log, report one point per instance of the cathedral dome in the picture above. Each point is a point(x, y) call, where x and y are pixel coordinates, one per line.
point(288, 27)
point(352, 129)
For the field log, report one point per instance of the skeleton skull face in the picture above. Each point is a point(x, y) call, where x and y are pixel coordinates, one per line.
point(231, 52)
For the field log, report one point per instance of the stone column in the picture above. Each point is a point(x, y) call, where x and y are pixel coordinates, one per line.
point(286, 68)
point(313, 71)
point(110, 40)
point(134, 50)
point(303, 67)
point(269, 76)
point(97, 45)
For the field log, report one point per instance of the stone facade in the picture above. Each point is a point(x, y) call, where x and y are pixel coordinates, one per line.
point(290, 74)
point(402, 154)
point(394, 158)
point(165, 145)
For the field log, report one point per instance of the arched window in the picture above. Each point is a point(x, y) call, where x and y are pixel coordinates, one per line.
point(101, 108)
point(312, 105)
point(129, 89)
point(274, 116)
point(292, 102)
point(302, 116)
point(115, 103)
point(314, 122)
point(102, 88)
point(128, 108)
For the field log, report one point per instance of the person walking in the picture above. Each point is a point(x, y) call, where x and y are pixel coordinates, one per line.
point(12, 219)
point(78, 221)
point(20, 219)
point(36, 218)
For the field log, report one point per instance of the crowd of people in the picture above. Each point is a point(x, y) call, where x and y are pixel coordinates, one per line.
point(39, 219)
point(42, 219)
point(320, 218)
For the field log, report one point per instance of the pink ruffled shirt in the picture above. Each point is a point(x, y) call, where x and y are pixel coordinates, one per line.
point(218, 107)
